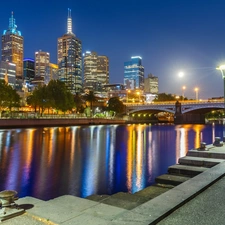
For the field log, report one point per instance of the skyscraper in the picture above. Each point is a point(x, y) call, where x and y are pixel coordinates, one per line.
point(42, 60)
point(70, 59)
point(134, 73)
point(12, 47)
point(8, 73)
point(96, 71)
point(151, 84)
point(28, 69)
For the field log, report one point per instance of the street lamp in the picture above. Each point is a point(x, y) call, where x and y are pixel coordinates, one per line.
point(138, 93)
point(196, 97)
point(183, 88)
point(222, 69)
point(128, 91)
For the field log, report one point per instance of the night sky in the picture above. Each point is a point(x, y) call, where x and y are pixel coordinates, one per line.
point(170, 36)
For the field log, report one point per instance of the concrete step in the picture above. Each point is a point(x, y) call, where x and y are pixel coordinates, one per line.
point(153, 191)
point(169, 179)
point(121, 199)
point(215, 154)
point(186, 170)
point(71, 210)
point(199, 161)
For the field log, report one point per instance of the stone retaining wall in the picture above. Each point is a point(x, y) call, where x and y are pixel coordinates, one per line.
point(7, 123)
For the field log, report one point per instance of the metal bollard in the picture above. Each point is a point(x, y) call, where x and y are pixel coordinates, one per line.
point(7, 198)
point(8, 207)
point(223, 138)
point(217, 142)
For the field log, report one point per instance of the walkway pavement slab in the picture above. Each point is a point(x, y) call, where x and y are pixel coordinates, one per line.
point(163, 205)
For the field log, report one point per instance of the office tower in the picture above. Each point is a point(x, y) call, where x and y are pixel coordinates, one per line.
point(151, 84)
point(134, 74)
point(8, 73)
point(12, 47)
point(51, 72)
point(42, 60)
point(96, 71)
point(103, 69)
point(70, 59)
point(28, 69)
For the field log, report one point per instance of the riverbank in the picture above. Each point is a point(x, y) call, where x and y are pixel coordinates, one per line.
point(11, 123)
point(187, 203)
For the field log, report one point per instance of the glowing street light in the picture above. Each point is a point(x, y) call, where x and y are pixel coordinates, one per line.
point(138, 93)
point(222, 69)
point(183, 88)
point(128, 91)
point(196, 96)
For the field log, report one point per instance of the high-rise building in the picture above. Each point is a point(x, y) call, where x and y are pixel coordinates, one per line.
point(70, 59)
point(28, 69)
point(51, 72)
point(151, 84)
point(12, 47)
point(8, 73)
point(103, 69)
point(96, 71)
point(42, 60)
point(134, 74)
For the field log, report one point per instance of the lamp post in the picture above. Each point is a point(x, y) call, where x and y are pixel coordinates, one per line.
point(196, 96)
point(138, 93)
point(183, 88)
point(128, 91)
point(222, 69)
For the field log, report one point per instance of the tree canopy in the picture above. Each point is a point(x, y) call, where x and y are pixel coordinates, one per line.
point(116, 105)
point(165, 97)
point(8, 96)
point(54, 95)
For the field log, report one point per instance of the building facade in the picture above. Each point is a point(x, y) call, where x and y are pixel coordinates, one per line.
point(28, 69)
point(69, 58)
point(134, 74)
point(42, 60)
point(12, 47)
point(8, 73)
point(96, 71)
point(151, 84)
point(51, 72)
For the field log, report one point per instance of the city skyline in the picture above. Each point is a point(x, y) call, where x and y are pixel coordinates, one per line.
point(170, 37)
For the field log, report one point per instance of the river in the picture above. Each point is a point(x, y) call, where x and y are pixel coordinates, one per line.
point(104, 159)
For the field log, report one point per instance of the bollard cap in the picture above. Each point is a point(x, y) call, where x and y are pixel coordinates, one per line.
point(7, 193)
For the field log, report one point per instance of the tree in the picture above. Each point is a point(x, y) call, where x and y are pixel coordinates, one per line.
point(116, 105)
point(8, 97)
point(91, 99)
point(59, 97)
point(162, 97)
point(78, 102)
point(13, 99)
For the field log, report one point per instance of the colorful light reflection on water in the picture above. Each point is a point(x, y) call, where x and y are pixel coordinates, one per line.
point(85, 160)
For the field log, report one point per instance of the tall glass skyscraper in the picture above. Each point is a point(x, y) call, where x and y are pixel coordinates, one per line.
point(134, 74)
point(70, 59)
point(28, 69)
point(12, 47)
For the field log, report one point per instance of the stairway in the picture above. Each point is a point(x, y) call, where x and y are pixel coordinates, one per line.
point(194, 163)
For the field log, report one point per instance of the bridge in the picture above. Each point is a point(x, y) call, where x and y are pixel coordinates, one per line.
point(184, 111)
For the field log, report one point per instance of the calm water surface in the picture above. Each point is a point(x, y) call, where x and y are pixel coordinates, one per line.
point(85, 160)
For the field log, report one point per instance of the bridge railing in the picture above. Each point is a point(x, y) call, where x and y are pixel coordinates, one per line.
point(185, 102)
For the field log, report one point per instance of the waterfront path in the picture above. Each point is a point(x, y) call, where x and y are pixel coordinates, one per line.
point(199, 200)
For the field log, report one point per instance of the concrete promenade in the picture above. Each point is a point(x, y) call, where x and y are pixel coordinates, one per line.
point(199, 200)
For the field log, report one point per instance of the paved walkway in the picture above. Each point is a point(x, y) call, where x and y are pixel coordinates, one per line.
point(200, 200)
